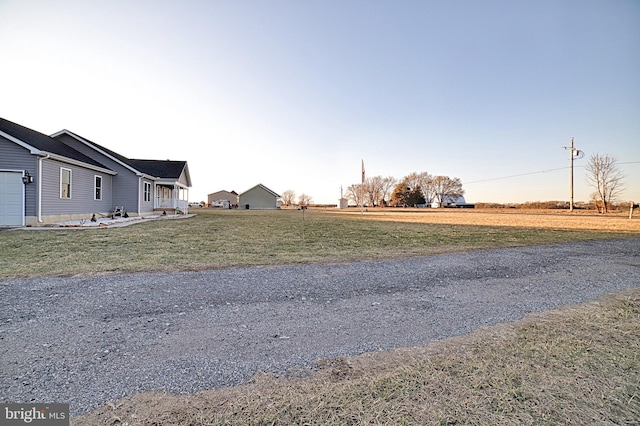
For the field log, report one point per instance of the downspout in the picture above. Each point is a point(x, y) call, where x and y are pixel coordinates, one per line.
point(140, 189)
point(39, 212)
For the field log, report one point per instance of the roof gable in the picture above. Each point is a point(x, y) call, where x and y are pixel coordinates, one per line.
point(262, 187)
point(155, 168)
point(99, 147)
point(163, 169)
point(222, 192)
point(39, 142)
point(167, 169)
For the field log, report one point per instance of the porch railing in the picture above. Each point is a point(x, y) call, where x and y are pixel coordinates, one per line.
point(183, 205)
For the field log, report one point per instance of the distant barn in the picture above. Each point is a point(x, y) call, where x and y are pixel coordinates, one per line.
point(223, 199)
point(259, 197)
point(453, 201)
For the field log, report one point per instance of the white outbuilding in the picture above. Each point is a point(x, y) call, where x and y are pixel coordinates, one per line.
point(452, 201)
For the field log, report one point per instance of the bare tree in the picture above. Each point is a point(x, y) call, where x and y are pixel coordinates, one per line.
point(288, 197)
point(388, 184)
point(604, 175)
point(428, 188)
point(420, 184)
point(424, 181)
point(355, 193)
point(304, 199)
point(416, 180)
point(444, 187)
point(373, 190)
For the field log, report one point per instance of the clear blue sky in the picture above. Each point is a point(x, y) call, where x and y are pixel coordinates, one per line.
point(294, 94)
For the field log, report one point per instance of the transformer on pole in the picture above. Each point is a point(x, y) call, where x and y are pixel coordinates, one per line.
point(574, 154)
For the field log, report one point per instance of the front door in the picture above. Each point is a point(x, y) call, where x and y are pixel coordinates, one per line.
point(165, 199)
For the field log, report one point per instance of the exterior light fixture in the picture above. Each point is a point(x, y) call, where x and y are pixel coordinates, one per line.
point(27, 178)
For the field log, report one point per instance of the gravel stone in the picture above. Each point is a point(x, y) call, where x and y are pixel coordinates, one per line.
point(88, 340)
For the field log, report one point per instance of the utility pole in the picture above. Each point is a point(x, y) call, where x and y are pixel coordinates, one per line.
point(573, 154)
point(362, 191)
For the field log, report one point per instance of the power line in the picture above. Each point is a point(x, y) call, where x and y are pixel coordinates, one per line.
point(538, 172)
point(518, 175)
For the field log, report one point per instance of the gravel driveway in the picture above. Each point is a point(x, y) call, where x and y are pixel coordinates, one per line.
point(90, 340)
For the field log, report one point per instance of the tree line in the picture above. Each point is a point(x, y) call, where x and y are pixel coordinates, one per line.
point(290, 198)
point(603, 175)
point(410, 191)
point(377, 191)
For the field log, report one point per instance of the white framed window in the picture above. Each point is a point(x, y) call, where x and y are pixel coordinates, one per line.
point(97, 193)
point(65, 183)
point(147, 191)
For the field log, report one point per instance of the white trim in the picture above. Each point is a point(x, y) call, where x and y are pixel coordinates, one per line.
point(70, 183)
point(138, 196)
point(24, 201)
point(39, 198)
point(144, 193)
point(169, 182)
point(81, 164)
point(95, 148)
point(111, 157)
point(62, 158)
point(21, 143)
point(95, 187)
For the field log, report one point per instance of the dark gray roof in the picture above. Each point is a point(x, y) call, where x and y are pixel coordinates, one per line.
point(45, 143)
point(156, 168)
point(159, 168)
point(115, 155)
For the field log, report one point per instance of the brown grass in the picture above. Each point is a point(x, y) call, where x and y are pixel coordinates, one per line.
point(538, 219)
point(223, 238)
point(579, 365)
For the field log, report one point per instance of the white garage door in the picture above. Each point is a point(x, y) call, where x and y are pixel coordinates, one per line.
point(11, 199)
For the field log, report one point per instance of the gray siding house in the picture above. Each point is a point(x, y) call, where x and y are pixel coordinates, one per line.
point(142, 185)
point(259, 197)
point(47, 179)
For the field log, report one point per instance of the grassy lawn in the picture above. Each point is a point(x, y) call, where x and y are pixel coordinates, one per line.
point(223, 238)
